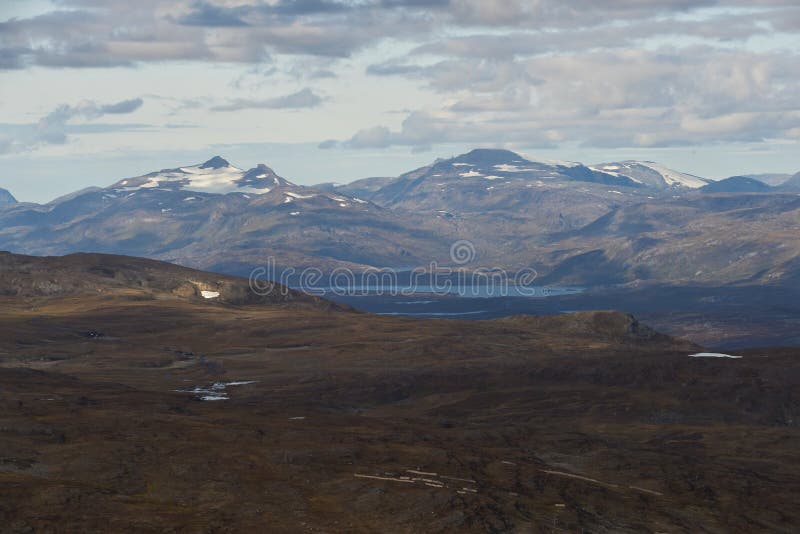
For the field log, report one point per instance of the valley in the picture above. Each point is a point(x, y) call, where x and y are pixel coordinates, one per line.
point(720, 317)
point(632, 234)
point(334, 420)
point(399, 267)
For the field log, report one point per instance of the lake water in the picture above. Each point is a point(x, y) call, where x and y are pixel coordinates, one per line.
point(457, 302)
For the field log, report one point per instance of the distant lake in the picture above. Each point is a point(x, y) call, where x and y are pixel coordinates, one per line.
point(474, 291)
point(458, 302)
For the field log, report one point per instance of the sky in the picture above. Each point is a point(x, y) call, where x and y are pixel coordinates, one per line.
point(92, 91)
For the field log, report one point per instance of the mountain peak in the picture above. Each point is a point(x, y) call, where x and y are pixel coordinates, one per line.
point(217, 162)
point(262, 176)
point(6, 197)
point(736, 184)
point(489, 156)
point(215, 176)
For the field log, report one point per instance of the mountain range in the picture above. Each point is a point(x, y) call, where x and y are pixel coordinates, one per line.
point(617, 222)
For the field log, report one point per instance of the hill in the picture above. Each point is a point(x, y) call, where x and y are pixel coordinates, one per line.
point(792, 184)
point(736, 184)
point(110, 276)
point(199, 413)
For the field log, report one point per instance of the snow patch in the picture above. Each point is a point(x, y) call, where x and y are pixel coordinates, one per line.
point(297, 195)
point(210, 294)
point(713, 355)
point(512, 168)
point(604, 171)
point(674, 178)
point(215, 392)
point(217, 180)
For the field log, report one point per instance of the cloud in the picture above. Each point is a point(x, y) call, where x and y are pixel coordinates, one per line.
point(422, 130)
point(328, 144)
point(616, 73)
point(206, 14)
point(120, 33)
point(612, 98)
point(93, 33)
point(376, 137)
point(394, 68)
point(123, 106)
point(719, 28)
point(563, 13)
point(322, 74)
point(305, 98)
point(54, 128)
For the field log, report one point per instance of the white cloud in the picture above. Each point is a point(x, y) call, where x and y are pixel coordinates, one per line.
point(304, 98)
point(53, 127)
point(617, 73)
point(612, 98)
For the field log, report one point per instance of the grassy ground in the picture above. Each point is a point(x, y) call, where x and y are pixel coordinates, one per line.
point(360, 423)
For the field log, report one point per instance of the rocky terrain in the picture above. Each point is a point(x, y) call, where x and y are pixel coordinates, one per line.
point(320, 419)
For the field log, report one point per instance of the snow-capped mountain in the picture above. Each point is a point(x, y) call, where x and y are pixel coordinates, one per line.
point(174, 189)
point(491, 164)
point(548, 195)
point(6, 197)
point(483, 173)
point(216, 215)
point(652, 174)
point(609, 224)
point(216, 175)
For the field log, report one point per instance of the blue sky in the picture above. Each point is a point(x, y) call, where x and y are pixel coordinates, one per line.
point(333, 90)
